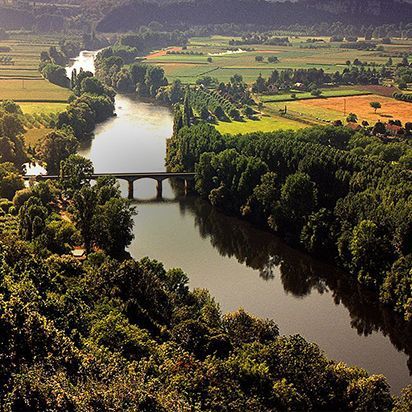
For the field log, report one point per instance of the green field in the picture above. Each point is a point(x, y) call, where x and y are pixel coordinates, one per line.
point(22, 82)
point(327, 56)
point(265, 124)
point(42, 107)
point(21, 90)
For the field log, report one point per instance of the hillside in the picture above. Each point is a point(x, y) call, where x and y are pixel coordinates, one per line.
point(130, 15)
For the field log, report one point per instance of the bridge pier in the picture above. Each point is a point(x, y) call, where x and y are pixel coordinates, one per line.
point(159, 189)
point(130, 189)
point(188, 186)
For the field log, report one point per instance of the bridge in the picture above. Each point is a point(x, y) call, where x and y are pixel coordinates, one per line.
point(131, 178)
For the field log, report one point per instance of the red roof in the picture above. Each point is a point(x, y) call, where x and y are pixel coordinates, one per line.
point(354, 126)
point(393, 128)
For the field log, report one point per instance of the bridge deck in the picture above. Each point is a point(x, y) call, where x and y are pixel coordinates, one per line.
point(126, 176)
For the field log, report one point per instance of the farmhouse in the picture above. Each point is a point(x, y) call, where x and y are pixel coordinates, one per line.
point(394, 130)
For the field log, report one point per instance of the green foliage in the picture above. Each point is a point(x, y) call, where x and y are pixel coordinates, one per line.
point(10, 180)
point(130, 336)
point(55, 74)
point(75, 172)
point(55, 147)
point(11, 130)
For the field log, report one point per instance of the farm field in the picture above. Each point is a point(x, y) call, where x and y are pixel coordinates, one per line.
point(225, 63)
point(22, 80)
point(341, 92)
point(25, 52)
point(24, 90)
point(265, 123)
point(42, 107)
point(333, 108)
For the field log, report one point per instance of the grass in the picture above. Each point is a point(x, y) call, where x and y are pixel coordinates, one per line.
point(32, 136)
point(264, 124)
point(42, 107)
point(32, 91)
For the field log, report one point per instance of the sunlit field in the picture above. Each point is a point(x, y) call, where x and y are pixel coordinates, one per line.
point(339, 107)
point(265, 123)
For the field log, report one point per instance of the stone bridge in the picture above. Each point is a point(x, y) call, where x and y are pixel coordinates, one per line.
point(131, 178)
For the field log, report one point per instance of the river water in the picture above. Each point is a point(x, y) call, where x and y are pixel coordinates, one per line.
point(240, 265)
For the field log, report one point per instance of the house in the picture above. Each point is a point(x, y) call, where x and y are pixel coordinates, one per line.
point(79, 253)
point(354, 126)
point(394, 130)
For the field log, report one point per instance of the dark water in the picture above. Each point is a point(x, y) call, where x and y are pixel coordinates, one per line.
point(241, 265)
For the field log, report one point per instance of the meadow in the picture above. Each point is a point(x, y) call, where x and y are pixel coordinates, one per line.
point(22, 82)
point(265, 123)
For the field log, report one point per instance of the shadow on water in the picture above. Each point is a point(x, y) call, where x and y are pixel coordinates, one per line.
point(300, 273)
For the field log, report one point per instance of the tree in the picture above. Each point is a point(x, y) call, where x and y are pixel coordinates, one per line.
point(92, 85)
point(56, 74)
point(204, 113)
point(352, 118)
point(10, 180)
point(75, 172)
point(11, 107)
point(259, 58)
point(55, 147)
point(379, 128)
point(248, 111)
point(177, 120)
point(369, 252)
point(187, 110)
point(260, 85)
point(219, 113)
point(375, 105)
point(32, 218)
point(113, 224)
point(273, 59)
point(298, 199)
point(84, 202)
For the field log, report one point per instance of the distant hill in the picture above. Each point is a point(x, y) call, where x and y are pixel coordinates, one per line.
point(132, 14)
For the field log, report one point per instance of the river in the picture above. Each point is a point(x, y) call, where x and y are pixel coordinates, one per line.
point(240, 265)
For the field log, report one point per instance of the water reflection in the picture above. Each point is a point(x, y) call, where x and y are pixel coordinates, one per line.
point(300, 274)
